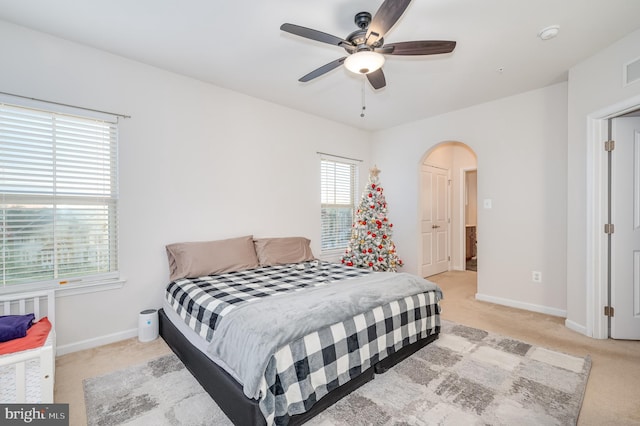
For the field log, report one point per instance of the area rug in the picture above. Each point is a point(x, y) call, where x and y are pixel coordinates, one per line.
point(466, 377)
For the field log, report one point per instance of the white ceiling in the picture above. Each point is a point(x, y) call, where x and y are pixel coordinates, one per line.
point(238, 45)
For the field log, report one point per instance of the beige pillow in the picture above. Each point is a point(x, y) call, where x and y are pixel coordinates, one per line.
point(279, 251)
point(197, 259)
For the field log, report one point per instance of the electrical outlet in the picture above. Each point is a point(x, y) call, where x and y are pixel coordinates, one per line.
point(536, 276)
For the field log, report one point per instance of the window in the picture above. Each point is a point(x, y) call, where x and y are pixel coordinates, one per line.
point(338, 184)
point(58, 198)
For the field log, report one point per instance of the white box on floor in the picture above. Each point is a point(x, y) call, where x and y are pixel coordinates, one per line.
point(148, 325)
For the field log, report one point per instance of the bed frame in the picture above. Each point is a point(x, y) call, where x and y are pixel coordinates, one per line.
point(228, 394)
point(21, 304)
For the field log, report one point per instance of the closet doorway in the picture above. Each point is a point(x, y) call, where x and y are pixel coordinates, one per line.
point(456, 160)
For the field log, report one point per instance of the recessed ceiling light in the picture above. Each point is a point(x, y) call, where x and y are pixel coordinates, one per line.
point(549, 32)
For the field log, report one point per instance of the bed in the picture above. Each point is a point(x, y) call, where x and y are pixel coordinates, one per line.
point(27, 376)
point(282, 360)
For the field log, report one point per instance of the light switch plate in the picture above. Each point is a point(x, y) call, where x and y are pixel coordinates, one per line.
point(487, 203)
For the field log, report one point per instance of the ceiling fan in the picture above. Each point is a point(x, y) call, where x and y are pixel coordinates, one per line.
point(365, 46)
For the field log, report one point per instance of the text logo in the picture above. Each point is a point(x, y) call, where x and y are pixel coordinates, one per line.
point(34, 414)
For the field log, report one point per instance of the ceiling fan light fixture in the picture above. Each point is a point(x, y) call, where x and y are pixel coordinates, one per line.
point(364, 62)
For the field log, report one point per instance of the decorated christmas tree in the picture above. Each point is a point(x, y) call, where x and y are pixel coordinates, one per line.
point(371, 246)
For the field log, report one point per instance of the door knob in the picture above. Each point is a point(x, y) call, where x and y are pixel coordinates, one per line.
point(435, 226)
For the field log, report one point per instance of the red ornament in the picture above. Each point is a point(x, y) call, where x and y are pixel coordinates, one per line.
point(370, 195)
point(373, 235)
point(370, 264)
point(373, 186)
point(390, 225)
point(370, 250)
point(349, 263)
point(380, 246)
point(380, 259)
point(384, 237)
point(342, 260)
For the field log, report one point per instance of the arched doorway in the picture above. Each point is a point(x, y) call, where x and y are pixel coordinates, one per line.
point(448, 208)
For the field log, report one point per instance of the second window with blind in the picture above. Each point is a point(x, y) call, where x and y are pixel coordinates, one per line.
point(338, 183)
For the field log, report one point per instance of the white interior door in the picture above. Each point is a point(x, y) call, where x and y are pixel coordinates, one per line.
point(625, 241)
point(435, 220)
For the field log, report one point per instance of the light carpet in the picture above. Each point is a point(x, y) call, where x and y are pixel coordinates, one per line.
point(466, 377)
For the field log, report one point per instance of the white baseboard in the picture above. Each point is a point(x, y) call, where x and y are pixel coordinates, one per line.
point(522, 305)
point(576, 327)
point(96, 341)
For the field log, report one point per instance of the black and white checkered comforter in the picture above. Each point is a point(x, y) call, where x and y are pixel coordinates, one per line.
point(303, 371)
point(203, 302)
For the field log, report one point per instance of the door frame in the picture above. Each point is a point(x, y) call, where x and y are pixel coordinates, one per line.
point(596, 208)
point(463, 215)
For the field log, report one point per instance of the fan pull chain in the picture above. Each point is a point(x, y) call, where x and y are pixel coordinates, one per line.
point(364, 77)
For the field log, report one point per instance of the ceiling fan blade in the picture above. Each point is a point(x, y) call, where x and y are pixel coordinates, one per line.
point(385, 50)
point(386, 16)
point(313, 34)
point(322, 70)
point(377, 79)
point(425, 47)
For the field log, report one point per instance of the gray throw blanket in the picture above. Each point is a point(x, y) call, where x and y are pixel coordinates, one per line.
point(249, 335)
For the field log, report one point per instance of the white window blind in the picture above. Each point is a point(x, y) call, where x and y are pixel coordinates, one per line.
point(338, 181)
point(58, 198)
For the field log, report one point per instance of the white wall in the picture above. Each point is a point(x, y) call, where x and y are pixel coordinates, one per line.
point(596, 89)
point(520, 143)
point(197, 162)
